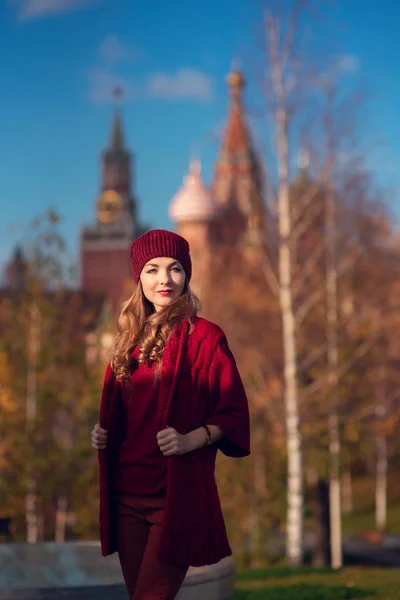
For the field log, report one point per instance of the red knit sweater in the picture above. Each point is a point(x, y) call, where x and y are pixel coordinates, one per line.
point(141, 467)
point(200, 383)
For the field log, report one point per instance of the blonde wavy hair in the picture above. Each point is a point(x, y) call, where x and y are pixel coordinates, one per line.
point(139, 323)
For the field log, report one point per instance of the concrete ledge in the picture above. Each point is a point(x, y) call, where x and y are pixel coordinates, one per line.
point(77, 570)
point(214, 582)
point(104, 592)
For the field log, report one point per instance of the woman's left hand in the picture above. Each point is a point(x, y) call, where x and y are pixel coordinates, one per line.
point(171, 442)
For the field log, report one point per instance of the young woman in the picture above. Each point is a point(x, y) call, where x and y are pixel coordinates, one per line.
point(172, 397)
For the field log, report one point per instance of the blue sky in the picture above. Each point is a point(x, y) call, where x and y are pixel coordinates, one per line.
point(61, 57)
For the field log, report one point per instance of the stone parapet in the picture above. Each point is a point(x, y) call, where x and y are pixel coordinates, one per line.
point(76, 570)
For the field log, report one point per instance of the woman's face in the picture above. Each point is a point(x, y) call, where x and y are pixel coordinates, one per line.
point(163, 280)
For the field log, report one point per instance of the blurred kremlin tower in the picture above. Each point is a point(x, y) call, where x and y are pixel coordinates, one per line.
point(105, 245)
point(232, 213)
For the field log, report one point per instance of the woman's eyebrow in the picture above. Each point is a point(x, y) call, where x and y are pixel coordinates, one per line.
point(176, 262)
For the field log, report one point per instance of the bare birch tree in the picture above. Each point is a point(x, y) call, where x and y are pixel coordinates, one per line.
point(293, 86)
point(381, 472)
point(332, 358)
point(279, 49)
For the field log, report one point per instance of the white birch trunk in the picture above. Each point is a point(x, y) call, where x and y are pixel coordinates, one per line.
point(279, 51)
point(294, 452)
point(381, 455)
point(61, 519)
point(332, 355)
point(334, 498)
point(381, 463)
point(31, 391)
point(381, 483)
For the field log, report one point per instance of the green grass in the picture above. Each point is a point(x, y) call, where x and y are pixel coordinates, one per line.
point(363, 517)
point(365, 521)
point(318, 584)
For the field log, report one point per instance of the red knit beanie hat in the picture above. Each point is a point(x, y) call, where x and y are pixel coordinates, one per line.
point(158, 243)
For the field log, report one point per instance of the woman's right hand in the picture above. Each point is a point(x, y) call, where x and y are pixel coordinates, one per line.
point(99, 437)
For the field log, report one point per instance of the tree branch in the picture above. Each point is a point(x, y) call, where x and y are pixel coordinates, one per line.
point(322, 382)
point(270, 275)
point(308, 305)
point(314, 355)
point(303, 225)
point(293, 27)
point(308, 267)
point(304, 202)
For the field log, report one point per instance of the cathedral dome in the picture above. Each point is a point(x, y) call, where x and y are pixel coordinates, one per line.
point(194, 201)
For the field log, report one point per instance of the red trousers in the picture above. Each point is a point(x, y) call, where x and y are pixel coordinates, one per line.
point(138, 529)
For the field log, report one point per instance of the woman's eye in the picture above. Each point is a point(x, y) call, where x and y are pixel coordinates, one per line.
point(152, 271)
point(177, 269)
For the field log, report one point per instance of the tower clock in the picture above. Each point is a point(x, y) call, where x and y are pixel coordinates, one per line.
point(109, 205)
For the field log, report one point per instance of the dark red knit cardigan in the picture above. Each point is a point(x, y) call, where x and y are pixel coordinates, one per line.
point(200, 384)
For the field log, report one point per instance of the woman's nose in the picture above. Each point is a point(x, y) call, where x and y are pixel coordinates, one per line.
point(165, 277)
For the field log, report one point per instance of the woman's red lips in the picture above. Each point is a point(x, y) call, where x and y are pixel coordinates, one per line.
point(165, 292)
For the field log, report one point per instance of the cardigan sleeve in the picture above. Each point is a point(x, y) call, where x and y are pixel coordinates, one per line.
point(229, 402)
point(106, 396)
